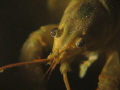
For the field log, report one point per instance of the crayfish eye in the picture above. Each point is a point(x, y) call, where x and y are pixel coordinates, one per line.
point(53, 31)
point(81, 43)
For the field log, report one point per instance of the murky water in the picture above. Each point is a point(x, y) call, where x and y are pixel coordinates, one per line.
point(18, 18)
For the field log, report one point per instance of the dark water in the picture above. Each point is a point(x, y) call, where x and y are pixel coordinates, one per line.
point(18, 18)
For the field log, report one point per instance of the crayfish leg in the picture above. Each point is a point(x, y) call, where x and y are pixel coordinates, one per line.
point(92, 57)
point(110, 75)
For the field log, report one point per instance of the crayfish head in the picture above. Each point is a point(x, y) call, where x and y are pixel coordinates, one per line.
point(66, 45)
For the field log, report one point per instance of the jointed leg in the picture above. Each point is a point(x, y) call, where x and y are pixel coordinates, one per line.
point(92, 57)
point(110, 75)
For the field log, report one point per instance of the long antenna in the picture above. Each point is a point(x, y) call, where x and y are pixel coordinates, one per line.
point(24, 63)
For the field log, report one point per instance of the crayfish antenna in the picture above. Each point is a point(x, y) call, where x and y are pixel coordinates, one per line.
point(24, 63)
point(65, 78)
point(49, 70)
point(64, 69)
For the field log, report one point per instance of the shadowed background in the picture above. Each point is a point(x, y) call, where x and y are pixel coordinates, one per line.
point(18, 18)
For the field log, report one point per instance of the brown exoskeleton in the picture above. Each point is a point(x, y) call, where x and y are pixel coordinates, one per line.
point(88, 27)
